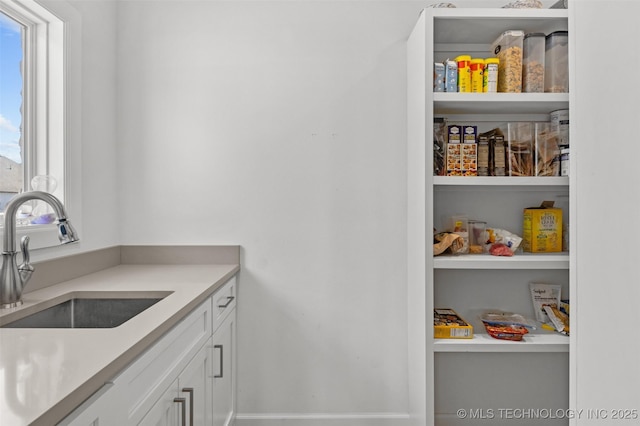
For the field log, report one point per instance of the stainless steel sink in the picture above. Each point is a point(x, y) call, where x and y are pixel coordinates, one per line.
point(102, 310)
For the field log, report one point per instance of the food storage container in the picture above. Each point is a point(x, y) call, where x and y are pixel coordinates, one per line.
point(533, 50)
point(556, 75)
point(547, 150)
point(520, 148)
point(508, 49)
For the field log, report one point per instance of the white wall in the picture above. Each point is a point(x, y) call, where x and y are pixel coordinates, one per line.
point(280, 126)
point(607, 191)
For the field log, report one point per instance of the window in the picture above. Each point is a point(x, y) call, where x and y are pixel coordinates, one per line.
point(32, 105)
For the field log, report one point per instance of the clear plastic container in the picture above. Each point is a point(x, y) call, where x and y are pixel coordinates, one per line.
point(556, 75)
point(520, 142)
point(508, 49)
point(533, 48)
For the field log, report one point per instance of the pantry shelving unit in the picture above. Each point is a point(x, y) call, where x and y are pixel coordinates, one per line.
point(481, 373)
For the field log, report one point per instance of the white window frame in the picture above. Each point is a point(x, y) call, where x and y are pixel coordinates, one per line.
point(44, 107)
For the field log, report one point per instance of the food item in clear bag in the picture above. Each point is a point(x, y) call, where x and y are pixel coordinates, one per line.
point(559, 319)
point(506, 325)
point(520, 142)
point(460, 226)
point(447, 242)
point(501, 240)
point(547, 151)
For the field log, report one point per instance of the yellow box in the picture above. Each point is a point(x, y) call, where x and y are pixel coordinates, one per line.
point(447, 324)
point(542, 229)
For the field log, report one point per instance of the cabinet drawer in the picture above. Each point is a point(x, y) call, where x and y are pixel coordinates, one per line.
point(224, 300)
point(148, 376)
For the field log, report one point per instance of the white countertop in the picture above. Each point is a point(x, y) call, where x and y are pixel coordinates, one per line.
point(46, 373)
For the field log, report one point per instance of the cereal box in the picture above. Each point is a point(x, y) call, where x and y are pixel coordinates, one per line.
point(447, 324)
point(454, 150)
point(542, 229)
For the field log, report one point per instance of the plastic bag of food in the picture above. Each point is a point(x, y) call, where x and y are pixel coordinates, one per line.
point(504, 237)
point(542, 295)
point(447, 242)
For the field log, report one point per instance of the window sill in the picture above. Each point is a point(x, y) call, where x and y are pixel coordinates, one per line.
point(40, 236)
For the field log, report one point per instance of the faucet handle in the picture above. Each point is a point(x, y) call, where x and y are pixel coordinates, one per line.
point(25, 268)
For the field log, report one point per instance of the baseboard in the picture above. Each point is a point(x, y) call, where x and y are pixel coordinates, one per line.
point(322, 419)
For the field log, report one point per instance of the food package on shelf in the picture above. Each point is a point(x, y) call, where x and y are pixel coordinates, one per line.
point(447, 324)
point(543, 294)
point(520, 142)
point(547, 151)
point(542, 229)
point(506, 325)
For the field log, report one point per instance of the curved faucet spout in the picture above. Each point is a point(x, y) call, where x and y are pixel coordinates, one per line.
point(14, 278)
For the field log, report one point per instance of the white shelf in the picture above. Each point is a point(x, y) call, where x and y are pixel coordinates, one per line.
point(494, 103)
point(517, 261)
point(462, 25)
point(562, 181)
point(536, 341)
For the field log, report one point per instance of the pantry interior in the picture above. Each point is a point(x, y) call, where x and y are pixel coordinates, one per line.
point(474, 379)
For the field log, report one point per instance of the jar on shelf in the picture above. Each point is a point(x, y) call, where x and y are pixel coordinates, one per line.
point(533, 47)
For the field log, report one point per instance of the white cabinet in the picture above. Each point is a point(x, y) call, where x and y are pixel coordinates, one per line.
point(185, 378)
point(224, 371)
point(187, 401)
point(471, 381)
point(96, 411)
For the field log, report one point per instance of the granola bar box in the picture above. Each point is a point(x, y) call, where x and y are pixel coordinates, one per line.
point(508, 49)
point(542, 229)
point(447, 324)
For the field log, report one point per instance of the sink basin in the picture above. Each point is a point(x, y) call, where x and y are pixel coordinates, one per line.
point(87, 311)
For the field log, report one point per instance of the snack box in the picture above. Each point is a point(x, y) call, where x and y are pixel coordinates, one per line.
point(454, 150)
point(447, 324)
point(542, 229)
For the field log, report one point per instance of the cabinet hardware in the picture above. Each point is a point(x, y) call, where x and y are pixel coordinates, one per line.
point(229, 300)
point(190, 392)
point(219, 376)
point(183, 403)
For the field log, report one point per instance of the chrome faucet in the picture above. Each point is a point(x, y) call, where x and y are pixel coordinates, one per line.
point(15, 277)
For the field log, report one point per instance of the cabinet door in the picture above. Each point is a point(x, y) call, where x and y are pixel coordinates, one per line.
point(223, 375)
point(167, 410)
point(97, 410)
point(194, 385)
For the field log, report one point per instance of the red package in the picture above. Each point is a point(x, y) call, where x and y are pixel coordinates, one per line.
point(500, 249)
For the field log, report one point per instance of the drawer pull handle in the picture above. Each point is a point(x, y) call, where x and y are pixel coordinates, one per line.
point(219, 376)
point(183, 403)
point(190, 392)
point(229, 300)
